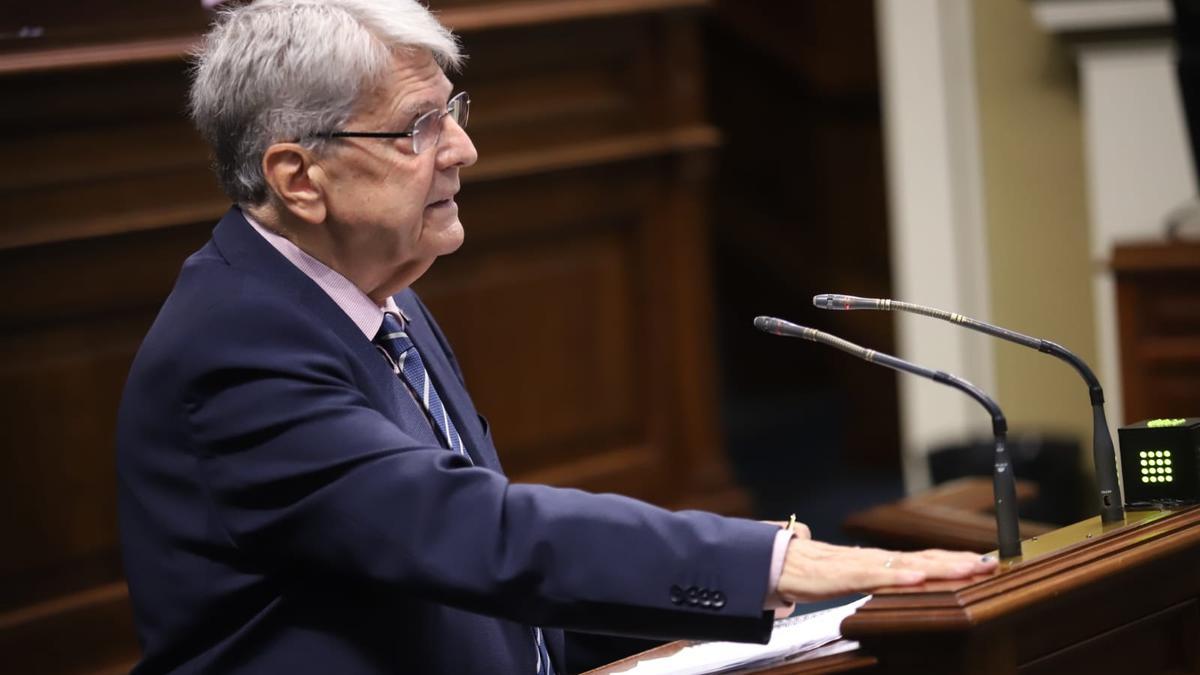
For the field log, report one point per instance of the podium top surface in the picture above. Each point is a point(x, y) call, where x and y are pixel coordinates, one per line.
point(1050, 565)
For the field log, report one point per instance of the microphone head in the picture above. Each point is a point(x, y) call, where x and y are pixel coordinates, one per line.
point(843, 302)
point(765, 323)
point(769, 324)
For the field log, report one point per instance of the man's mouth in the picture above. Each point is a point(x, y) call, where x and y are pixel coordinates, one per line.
point(441, 203)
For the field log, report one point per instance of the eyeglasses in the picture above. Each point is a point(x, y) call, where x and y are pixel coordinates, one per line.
point(425, 132)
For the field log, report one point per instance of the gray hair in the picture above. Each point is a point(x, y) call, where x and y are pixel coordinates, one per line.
point(281, 70)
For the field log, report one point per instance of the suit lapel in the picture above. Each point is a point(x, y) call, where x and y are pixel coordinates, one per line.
point(449, 387)
point(246, 250)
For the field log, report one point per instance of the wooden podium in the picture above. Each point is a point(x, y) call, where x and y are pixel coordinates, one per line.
point(1086, 598)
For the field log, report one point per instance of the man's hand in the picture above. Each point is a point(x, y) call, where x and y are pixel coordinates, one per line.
point(814, 570)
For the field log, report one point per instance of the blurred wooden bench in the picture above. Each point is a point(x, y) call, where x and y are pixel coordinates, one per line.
point(954, 515)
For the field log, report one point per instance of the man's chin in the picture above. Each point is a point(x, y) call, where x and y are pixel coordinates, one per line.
point(449, 238)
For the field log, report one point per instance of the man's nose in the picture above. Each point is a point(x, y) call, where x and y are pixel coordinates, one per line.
point(456, 148)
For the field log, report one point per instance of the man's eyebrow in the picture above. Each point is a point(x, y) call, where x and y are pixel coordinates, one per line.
point(424, 105)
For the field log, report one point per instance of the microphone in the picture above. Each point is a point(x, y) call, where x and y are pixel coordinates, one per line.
point(1103, 456)
point(1004, 487)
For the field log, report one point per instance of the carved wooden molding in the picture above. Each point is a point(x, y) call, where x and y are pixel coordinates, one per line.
point(960, 605)
point(612, 150)
point(486, 16)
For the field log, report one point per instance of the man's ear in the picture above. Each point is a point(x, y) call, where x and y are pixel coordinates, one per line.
point(296, 181)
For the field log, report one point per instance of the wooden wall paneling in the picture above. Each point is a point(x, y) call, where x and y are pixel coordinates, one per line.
point(101, 153)
point(545, 314)
point(86, 632)
point(74, 315)
point(585, 221)
point(683, 210)
point(73, 318)
point(27, 28)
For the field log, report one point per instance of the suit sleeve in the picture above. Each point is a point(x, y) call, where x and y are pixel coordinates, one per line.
point(310, 482)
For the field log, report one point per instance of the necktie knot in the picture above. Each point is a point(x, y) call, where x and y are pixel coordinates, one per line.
point(392, 333)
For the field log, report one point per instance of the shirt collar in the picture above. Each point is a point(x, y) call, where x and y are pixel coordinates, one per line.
point(361, 309)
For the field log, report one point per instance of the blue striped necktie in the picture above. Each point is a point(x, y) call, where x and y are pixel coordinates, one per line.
point(406, 361)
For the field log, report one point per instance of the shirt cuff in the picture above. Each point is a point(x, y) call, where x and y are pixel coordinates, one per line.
point(778, 553)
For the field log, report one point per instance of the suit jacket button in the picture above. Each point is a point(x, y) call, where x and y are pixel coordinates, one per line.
point(676, 595)
point(718, 599)
point(693, 596)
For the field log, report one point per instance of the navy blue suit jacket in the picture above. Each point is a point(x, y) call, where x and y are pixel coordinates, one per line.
point(286, 508)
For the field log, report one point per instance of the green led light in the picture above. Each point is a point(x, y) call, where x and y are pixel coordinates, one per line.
point(1170, 478)
point(1142, 453)
point(1169, 422)
point(1166, 453)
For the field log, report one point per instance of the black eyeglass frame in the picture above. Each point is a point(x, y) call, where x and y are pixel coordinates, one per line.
point(461, 100)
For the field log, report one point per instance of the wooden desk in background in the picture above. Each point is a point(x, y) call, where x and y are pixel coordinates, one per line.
point(1158, 312)
point(955, 515)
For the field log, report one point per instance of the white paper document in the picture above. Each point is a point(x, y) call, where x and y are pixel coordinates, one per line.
point(791, 636)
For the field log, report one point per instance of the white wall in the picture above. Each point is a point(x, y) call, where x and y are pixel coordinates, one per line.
point(1138, 168)
point(937, 223)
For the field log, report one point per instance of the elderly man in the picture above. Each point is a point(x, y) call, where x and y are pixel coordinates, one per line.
point(305, 485)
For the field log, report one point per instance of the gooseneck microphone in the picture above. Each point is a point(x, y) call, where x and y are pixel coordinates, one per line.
point(1103, 455)
point(1004, 487)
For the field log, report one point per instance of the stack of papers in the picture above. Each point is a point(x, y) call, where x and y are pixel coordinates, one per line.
point(792, 636)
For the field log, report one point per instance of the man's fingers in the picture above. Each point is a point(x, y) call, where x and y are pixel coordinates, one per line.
point(946, 564)
point(815, 570)
point(866, 577)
